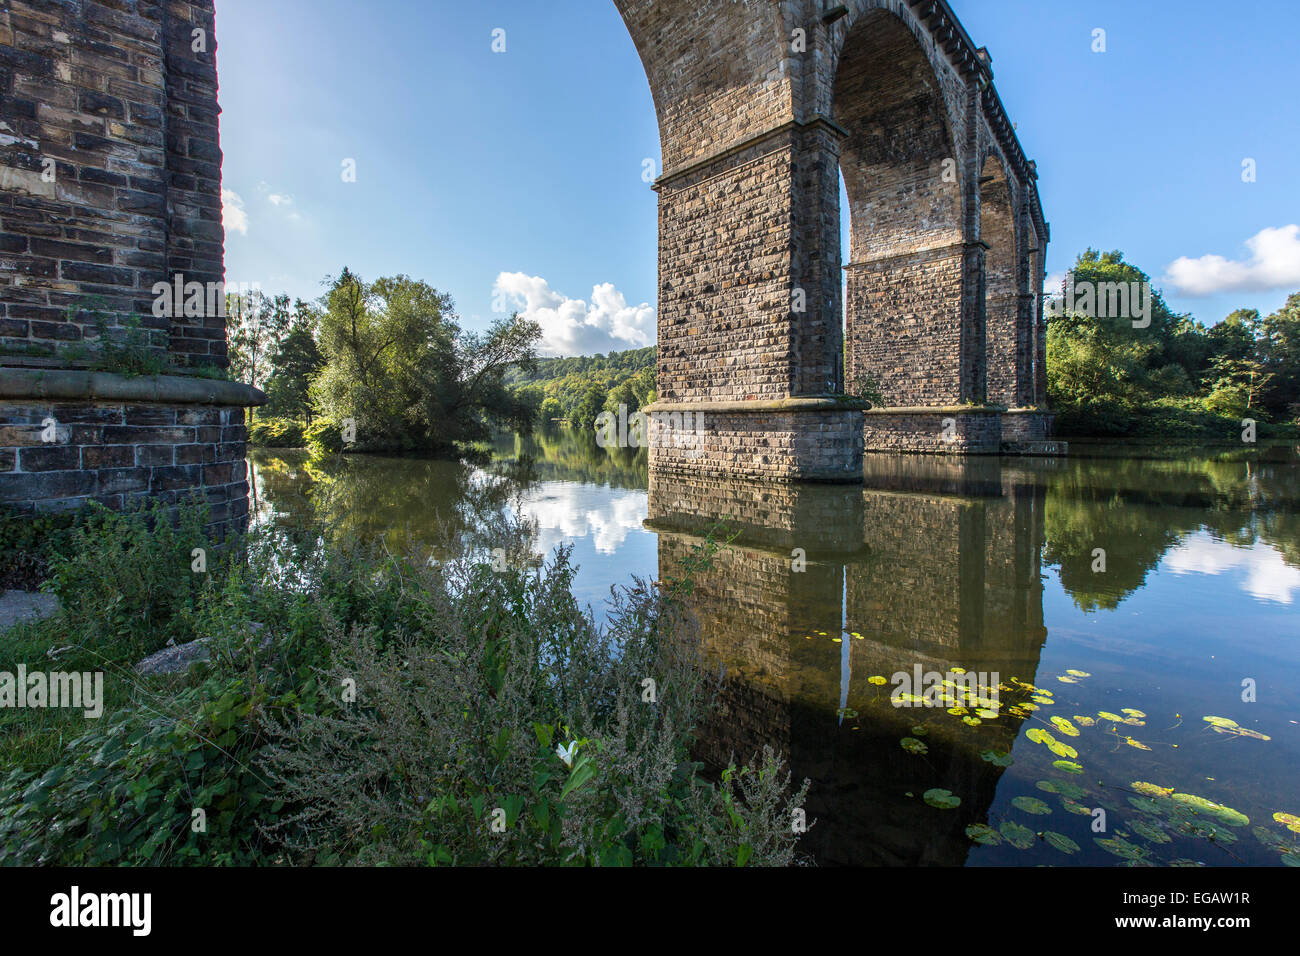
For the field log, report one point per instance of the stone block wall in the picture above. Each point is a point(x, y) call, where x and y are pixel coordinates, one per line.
point(941, 431)
point(60, 455)
point(821, 445)
point(110, 172)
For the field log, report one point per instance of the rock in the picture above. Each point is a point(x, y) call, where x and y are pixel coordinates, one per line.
point(18, 606)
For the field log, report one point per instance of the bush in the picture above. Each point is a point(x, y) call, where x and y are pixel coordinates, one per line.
point(324, 437)
point(277, 433)
point(125, 580)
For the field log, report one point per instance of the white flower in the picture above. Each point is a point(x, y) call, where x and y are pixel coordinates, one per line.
point(566, 752)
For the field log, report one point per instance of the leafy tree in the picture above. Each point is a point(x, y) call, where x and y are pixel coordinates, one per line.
point(399, 365)
point(254, 324)
point(295, 361)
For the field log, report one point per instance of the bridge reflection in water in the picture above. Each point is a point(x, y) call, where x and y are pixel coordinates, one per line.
point(939, 569)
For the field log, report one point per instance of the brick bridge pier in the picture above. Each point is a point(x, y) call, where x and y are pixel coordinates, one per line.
point(761, 104)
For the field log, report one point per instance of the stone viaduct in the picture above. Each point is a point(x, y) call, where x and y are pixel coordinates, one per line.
point(110, 188)
point(761, 103)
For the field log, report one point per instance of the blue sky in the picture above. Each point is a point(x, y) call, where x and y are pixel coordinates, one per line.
point(480, 171)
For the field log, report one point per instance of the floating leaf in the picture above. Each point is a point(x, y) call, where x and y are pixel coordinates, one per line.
point(1136, 743)
point(914, 746)
point(1062, 787)
point(1074, 807)
point(1133, 712)
point(877, 680)
point(1040, 699)
point(1020, 837)
point(1150, 789)
point(1031, 805)
point(1288, 820)
point(958, 711)
point(1061, 750)
point(1147, 806)
point(1069, 766)
point(1121, 848)
point(941, 799)
point(973, 721)
point(1038, 735)
point(1067, 680)
point(1225, 815)
point(984, 834)
point(1060, 841)
point(911, 698)
point(987, 714)
point(1220, 721)
point(1268, 837)
point(1084, 721)
point(1149, 832)
point(1074, 673)
point(919, 731)
point(1065, 727)
point(1107, 715)
point(997, 758)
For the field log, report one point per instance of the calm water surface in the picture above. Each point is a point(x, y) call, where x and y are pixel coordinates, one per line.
point(1112, 602)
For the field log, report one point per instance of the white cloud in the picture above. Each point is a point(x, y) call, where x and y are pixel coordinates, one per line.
point(232, 212)
point(277, 199)
point(1263, 572)
point(571, 326)
point(1274, 263)
point(564, 512)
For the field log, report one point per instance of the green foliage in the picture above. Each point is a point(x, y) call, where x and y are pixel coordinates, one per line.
point(295, 361)
point(1174, 378)
point(468, 680)
point(399, 365)
point(278, 433)
point(575, 386)
point(125, 581)
point(324, 437)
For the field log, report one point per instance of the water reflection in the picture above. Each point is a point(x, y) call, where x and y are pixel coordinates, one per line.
point(941, 564)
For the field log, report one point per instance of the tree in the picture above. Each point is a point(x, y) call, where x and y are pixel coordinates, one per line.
point(254, 323)
point(399, 365)
point(295, 361)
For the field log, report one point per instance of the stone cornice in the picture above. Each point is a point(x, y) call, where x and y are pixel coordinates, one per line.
point(811, 403)
point(66, 385)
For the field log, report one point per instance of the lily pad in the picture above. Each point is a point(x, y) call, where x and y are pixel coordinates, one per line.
point(1133, 712)
point(1065, 727)
point(1121, 848)
point(1150, 789)
point(877, 680)
point(1076, 673)
point(941, 799)
point(1031, 805)
point(1062, 787)
point(1020, 837)
point(1069, 766)
point(1149, 831)
point(1288, 820)
point(996, 758)
point(1084, 721)
point(1060, 841)
point(984, 834)
point(914, 746)
point(1225, 815)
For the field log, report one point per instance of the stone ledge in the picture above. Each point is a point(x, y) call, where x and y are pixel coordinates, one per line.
point(936, 410)
point(70, 385)
point(818, 403)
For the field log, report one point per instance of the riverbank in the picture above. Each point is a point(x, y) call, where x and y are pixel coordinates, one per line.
point(363, 706)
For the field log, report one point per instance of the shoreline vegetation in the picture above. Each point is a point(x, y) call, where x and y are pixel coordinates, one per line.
point(363, 707)
point(389, 358)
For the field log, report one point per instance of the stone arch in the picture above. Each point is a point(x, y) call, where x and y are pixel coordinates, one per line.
point(1006, 345)
point(906, 322)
